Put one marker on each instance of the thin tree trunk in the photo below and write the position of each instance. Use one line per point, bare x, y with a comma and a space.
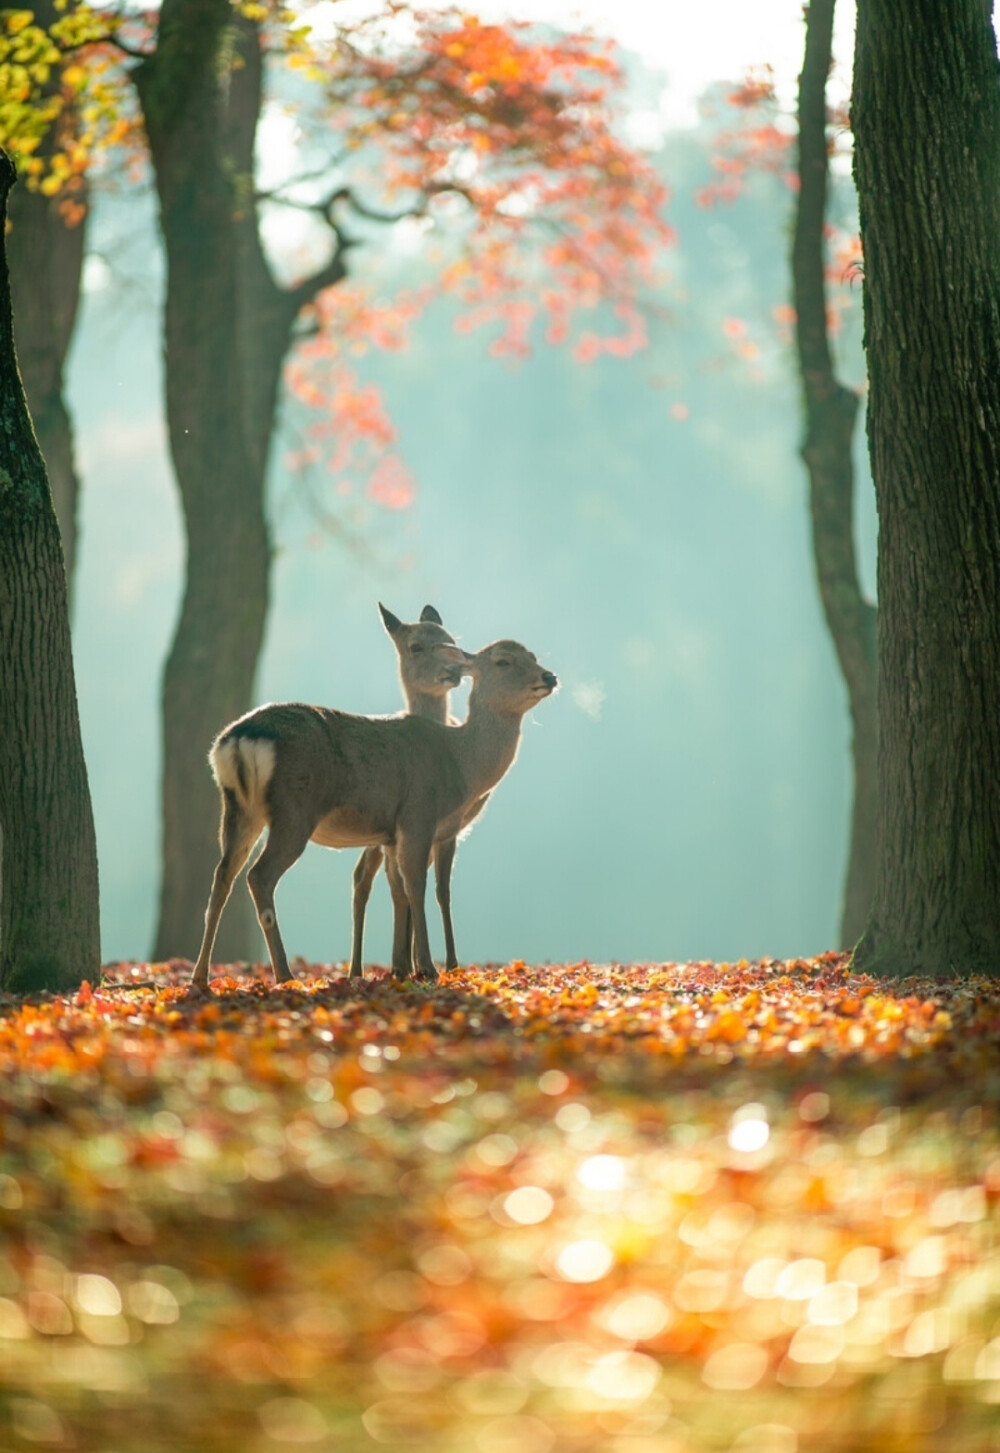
927, 163
46, 262
227, 329
45, 258
49, 931
831, 413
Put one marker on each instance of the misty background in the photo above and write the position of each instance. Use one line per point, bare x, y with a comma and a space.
641, 524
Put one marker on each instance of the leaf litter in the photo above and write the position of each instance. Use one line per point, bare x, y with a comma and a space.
655, 1208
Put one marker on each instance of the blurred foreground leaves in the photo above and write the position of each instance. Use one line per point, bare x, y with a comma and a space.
649, 1209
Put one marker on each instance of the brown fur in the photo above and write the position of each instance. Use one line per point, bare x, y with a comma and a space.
397, 782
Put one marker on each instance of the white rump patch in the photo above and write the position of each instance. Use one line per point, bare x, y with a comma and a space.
255, 756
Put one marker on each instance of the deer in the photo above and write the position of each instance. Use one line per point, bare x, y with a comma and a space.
308, 773
430, 665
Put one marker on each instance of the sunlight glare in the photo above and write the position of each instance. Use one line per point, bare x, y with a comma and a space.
602, 1173
636, 1316
623, 1376
584, 1260
750, 1132
528, 1205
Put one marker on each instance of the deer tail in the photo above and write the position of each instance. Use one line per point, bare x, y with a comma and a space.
243, 766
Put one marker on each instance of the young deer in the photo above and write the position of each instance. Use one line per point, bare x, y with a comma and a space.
307, 773
430, 664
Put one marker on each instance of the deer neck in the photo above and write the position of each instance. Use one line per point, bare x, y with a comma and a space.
431, 708
485, 745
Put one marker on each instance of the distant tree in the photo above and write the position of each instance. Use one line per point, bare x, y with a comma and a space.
45, 256
49, 934
45, 253
926, 118
830, 406
59, 102
831, 410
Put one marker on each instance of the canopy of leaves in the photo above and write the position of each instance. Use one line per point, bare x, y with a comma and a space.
500, 144
498, 141
653, 1207
62, 97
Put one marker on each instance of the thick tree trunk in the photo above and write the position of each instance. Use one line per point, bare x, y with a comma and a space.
227, 329
927, 131
49, 932
45, 258
831, 413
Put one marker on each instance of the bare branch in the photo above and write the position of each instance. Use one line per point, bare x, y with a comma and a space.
133, 52
275, 195
327, 276
373, 214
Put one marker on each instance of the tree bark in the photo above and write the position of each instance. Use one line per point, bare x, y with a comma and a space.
45, 258
49, 930
227, 329
926, 115
831, 412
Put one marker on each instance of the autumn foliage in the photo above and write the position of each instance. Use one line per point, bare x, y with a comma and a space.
497, 143
753, 137
683, 1207
756, 137
63, 101
499, 147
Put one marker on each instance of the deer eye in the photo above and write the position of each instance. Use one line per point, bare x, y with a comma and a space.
502, 663
415, 648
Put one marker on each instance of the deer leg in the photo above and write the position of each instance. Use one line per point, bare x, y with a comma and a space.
412, 853
286, 843
237, 835
444, 857
364, 876
402, 962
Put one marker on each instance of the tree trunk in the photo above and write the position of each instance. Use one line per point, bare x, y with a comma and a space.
49, 931
227, 329
831, 412
45, 258
927, 163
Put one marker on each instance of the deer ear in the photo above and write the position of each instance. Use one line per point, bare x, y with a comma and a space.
392, 623
430, 614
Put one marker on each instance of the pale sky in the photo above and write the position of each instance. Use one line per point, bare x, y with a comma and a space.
695, 43
692, 44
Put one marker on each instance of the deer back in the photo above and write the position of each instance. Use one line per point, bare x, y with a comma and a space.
354, 775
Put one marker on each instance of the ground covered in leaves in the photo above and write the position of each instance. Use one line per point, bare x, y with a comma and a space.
645, 1209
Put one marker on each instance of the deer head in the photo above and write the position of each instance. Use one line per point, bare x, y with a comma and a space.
507, 679
430, 663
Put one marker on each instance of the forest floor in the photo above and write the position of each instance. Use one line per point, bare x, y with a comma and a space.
532, 1209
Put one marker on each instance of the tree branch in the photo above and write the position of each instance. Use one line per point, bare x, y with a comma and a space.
131, 51
373, 214
327, 276
335, 270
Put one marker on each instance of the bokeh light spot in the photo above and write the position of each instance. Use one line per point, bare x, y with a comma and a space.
585, 1260
528, 1205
